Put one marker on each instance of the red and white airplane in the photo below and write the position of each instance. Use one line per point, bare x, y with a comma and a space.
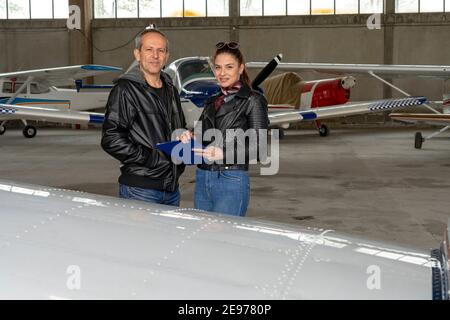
329, 98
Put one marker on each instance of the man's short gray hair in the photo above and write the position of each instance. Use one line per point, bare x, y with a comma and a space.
138, 39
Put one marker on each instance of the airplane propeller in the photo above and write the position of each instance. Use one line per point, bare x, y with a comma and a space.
266, 71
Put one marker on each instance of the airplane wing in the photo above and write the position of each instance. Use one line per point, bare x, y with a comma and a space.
434, 71
15, 112
347, 109
431, 118
60, 244
62, 75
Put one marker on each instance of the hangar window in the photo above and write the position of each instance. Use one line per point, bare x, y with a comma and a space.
34, 9
149, 8
322, 7
251, 7
41, 9
2, 9
160, 8
60, 9
370, 6
18, 9
127, 9
414, 6
347, 7
274, 8
295, 7
431, 6
308, 7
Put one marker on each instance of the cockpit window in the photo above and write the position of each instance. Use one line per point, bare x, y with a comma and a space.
36, 88
193, 70
7, 87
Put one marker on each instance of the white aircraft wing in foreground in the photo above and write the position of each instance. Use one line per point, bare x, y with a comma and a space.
59, 244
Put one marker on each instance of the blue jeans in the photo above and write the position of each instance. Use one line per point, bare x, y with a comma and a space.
222, 191
150, 195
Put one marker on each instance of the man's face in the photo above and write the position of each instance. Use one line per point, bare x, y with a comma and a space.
153, 54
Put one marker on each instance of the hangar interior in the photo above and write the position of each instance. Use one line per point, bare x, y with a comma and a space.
366, 181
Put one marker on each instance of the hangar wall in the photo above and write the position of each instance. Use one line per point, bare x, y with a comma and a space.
403, 39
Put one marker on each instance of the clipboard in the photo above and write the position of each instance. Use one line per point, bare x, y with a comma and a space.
181, 152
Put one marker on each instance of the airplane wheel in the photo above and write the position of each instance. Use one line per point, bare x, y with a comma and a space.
29, 131
2, 130
323, 131
418, 140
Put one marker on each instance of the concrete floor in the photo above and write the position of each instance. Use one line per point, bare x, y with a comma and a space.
364, 182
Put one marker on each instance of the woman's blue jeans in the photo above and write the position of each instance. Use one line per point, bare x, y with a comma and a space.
225, 191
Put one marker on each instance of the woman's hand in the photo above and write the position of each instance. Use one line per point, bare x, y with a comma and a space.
210, 153
185, 136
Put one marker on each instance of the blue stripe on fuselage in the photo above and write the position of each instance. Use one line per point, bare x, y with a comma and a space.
309, 115
96, 118
27, 100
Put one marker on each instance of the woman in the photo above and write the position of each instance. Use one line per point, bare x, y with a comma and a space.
222, 182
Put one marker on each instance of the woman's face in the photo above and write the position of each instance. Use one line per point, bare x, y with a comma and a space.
227, 69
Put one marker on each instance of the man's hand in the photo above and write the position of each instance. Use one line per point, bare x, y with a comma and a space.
185, 136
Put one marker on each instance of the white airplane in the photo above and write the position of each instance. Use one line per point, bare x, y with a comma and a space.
60, 244
37, 88
436, 119
194, 79
321, 97
326, 98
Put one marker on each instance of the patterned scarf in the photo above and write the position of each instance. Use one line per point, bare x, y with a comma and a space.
233, 89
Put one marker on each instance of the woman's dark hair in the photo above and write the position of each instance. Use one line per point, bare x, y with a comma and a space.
233, 49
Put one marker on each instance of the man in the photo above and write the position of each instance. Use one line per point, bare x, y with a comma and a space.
143, 109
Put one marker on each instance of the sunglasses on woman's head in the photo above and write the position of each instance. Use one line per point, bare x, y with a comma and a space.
230, 45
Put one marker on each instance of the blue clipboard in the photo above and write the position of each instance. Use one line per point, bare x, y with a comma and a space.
181, 152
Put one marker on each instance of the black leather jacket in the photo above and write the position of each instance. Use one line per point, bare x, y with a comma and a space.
247, 109
135, 121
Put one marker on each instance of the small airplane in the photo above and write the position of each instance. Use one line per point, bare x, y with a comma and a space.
329, 98
37, 89
194, 78
60, 244
436, 119
195, 81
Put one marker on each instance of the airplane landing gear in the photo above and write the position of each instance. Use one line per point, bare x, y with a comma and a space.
2, 129
418, 140
29, 131
324, 131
